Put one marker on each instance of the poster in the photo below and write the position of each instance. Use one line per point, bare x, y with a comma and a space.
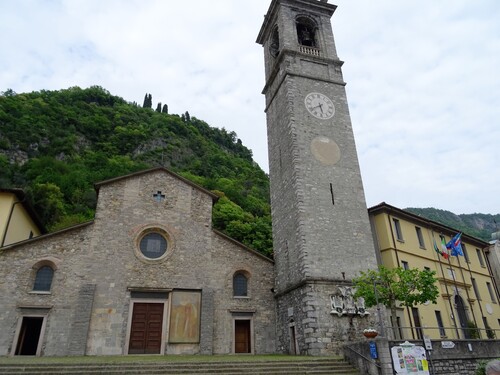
410, 359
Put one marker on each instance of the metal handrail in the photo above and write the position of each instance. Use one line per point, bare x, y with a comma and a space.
451, 332
370, 360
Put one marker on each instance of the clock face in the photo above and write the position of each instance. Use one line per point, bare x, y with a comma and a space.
319, 105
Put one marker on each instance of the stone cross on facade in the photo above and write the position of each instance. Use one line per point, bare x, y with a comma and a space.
158, 196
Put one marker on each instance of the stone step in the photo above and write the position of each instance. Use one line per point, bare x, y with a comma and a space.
322, 366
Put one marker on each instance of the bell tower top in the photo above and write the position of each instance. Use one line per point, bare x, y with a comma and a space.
297, 26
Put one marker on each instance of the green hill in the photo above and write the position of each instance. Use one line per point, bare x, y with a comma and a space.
57, 144
477, 225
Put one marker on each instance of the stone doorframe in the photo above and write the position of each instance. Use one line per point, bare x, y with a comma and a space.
243, 315
20, 324
294, 344
164, 328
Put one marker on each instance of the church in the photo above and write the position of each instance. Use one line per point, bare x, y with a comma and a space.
149, 275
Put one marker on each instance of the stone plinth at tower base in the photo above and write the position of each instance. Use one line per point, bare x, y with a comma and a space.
317, 327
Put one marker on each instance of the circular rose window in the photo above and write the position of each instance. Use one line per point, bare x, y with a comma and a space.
153, 245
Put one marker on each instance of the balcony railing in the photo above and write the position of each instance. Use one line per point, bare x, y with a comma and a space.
313, 51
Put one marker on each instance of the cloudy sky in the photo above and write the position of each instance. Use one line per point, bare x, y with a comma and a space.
423, 79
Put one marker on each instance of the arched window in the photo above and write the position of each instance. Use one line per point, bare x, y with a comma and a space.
43, 279
240, 285
306, 32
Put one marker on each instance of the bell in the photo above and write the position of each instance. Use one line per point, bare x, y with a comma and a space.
307, 39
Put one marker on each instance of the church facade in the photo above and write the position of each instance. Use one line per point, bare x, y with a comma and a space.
148, 275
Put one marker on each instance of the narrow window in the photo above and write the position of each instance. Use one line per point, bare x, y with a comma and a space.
476, 290
240, 285
489, 332
490, 290
43, 279
416, 322
466, 254
405, 264
397, 228
451, 273
274, 44
480, 257
439, 319
398, 323
420, 237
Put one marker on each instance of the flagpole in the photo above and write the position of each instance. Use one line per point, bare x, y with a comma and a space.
456, 291
445, 285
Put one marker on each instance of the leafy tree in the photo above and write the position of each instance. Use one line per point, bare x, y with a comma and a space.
158, 107
48, 201
389, 285
148, 101
187, 117
164, 109
8, 92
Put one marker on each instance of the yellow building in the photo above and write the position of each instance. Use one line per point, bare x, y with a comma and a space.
468, 296
18, 220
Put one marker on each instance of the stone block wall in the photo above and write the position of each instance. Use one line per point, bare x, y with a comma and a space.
318, 332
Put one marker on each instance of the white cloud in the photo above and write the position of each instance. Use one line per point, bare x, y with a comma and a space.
423, 81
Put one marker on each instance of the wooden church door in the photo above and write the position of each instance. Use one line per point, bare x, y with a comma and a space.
146, 328
242, 342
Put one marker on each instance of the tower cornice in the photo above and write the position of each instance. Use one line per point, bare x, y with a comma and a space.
289, 71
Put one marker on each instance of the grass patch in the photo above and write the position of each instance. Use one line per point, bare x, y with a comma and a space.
155, 358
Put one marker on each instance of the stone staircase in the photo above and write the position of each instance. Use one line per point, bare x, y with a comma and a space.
309, 365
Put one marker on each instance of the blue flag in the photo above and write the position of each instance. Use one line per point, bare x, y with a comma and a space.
455, 245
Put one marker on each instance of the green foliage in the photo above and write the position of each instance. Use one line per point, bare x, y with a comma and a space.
490, 333
410, 287
476, 225
481, 368
75, 137
472, 330
47, 199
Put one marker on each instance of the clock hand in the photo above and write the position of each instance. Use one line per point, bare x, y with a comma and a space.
319, 106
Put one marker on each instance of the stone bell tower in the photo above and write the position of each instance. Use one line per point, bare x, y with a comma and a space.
322, 237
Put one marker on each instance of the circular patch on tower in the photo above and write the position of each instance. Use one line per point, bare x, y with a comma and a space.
325, 150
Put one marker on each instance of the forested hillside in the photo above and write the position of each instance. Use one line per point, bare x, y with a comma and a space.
476, 225
57, 144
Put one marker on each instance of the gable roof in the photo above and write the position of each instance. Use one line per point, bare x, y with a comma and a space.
243, 246
21, 197
98, 185
46, 235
